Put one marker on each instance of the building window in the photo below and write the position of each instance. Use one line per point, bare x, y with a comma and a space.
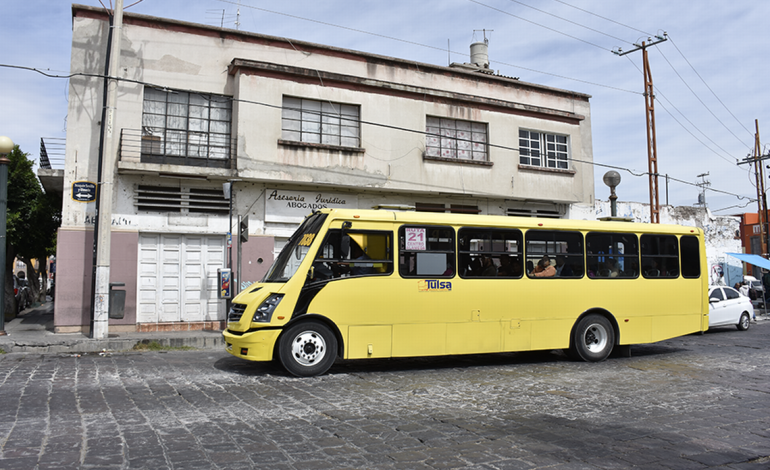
186, 128
451, 138
320, 122
543, 150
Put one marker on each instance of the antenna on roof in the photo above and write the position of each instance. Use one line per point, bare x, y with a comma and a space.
238, 16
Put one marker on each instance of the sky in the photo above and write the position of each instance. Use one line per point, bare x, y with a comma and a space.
709, 77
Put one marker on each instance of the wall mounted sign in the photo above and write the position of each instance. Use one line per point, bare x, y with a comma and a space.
283, 205
83, 191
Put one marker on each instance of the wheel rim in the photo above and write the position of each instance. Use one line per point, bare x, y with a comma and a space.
308, 348
596, 338
745, 321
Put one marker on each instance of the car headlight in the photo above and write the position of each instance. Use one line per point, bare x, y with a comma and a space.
265, 311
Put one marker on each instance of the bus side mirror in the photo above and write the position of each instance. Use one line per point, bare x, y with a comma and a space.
311, 272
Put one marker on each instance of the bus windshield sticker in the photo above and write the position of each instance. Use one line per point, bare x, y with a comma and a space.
415, 239
434, 285
307, 239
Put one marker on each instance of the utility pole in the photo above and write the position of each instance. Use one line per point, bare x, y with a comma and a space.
703, 185
649, 101
757, 160
107, 163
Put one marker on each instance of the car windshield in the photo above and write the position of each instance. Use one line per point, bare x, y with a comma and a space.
294, 251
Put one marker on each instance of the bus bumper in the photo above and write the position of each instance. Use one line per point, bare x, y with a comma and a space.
254, 346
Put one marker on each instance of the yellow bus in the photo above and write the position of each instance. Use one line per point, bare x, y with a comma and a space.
359, 284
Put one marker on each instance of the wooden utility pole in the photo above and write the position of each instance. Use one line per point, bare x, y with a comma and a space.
649, 102
761, 198
759, 176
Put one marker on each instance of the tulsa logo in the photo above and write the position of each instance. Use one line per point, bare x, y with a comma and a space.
434, 286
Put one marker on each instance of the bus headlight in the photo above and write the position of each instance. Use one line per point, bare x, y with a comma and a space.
265, 311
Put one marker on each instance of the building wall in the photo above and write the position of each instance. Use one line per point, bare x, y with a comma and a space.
257, 71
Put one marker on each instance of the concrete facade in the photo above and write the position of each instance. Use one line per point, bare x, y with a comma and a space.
279, 179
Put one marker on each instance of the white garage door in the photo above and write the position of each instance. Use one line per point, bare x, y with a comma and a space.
178, 277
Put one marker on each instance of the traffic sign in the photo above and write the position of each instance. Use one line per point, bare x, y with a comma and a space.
83, 191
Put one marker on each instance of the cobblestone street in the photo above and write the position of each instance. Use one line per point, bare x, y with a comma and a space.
699, 401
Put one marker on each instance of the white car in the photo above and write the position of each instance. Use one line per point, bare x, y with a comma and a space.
728, 307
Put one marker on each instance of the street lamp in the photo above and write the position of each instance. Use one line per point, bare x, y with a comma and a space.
612, 179
6, 147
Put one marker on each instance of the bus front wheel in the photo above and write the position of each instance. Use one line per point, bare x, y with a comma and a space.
593, 339
307, 349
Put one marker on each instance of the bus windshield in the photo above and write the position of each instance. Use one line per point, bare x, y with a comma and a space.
294, 251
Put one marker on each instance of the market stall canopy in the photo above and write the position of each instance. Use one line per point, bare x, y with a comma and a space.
756, 260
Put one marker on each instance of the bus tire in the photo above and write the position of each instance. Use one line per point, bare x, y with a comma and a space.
593, 338
307, 349
744, 322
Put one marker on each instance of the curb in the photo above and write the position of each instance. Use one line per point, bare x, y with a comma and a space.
208, 342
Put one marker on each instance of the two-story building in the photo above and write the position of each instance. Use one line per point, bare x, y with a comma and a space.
295, 126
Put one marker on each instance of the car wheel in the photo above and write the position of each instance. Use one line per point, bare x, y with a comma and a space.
307, 349
744, 322
593, 338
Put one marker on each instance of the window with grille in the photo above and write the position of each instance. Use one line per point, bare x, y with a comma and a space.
182, 200
181, 127
453, 138
543, 150
320, 122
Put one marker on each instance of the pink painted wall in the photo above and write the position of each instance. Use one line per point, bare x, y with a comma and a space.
74, 270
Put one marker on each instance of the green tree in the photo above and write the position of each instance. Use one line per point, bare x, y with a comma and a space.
33, 218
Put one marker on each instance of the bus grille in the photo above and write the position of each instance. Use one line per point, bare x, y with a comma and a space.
236, 312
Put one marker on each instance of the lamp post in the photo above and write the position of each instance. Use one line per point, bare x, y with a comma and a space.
6, 147
612, 179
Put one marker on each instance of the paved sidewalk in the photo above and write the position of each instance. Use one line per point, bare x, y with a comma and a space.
33, 332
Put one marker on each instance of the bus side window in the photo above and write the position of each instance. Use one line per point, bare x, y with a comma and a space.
612, 255
561, 250
489, 252
690, 256
426, 251
348, 253
660, 256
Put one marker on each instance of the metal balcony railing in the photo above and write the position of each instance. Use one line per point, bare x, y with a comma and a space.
52, 153
177, 147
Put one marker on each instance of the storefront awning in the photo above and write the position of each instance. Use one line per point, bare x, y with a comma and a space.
756, 260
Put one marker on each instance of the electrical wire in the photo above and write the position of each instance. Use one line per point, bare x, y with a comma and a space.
569, 21
362, 122
712, 91
564, 77
657, 46
604, 18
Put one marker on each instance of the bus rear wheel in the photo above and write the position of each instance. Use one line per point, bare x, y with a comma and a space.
307, 349
593, 339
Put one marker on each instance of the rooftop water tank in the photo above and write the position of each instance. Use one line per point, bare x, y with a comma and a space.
480, 54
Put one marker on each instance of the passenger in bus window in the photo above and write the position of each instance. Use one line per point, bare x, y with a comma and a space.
506, 267
488, 267
544, 268
562, 268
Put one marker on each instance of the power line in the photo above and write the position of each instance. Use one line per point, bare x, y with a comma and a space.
432, 47
538, 24
700, 100
569, 21
604, 18
712, 91
371, 123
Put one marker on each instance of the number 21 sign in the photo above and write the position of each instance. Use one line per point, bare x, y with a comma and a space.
415, 239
